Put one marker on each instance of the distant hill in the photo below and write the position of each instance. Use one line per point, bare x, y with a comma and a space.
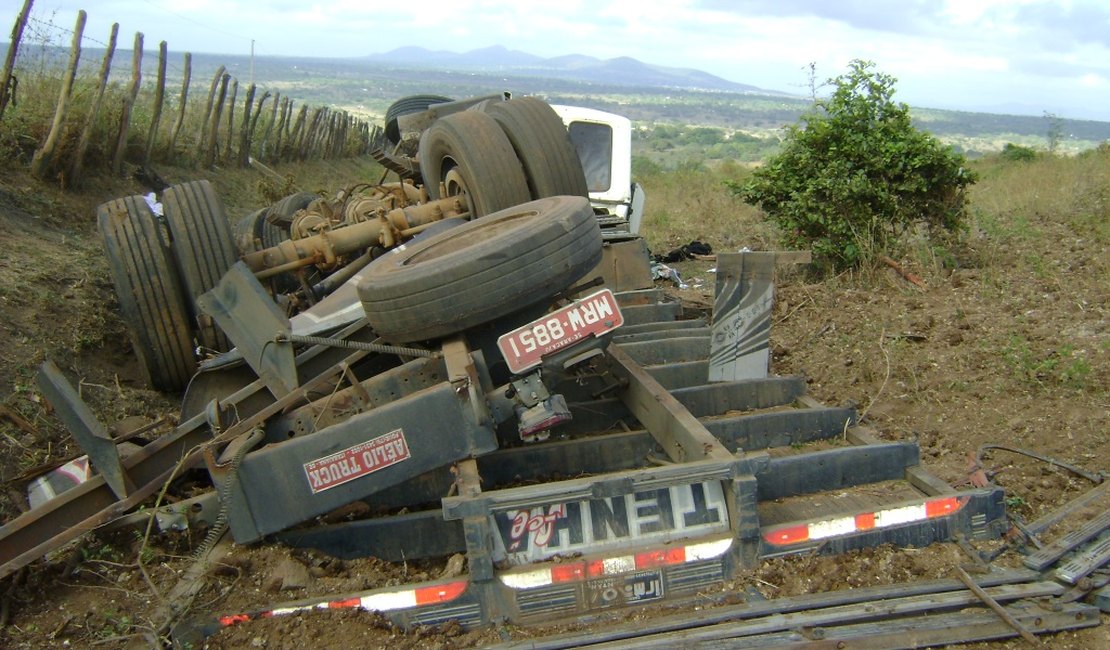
621, 71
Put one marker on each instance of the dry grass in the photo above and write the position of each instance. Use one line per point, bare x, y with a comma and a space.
689, 204
1074, 190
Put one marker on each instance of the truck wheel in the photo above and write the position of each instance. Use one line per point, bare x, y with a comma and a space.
407, 106
203, 247
482, 270
541, 143
254, 233
470, 155
151, 299
281, 213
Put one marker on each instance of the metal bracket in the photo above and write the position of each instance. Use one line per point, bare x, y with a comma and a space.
251, 319
86, 429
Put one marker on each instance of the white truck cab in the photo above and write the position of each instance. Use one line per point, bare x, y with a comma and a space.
604, 145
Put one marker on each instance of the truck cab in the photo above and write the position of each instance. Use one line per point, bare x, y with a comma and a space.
604, 145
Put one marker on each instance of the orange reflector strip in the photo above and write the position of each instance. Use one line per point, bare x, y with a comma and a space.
790, 535
440, 593
661, 557
568, 572
233, 619
865, 521
341, 604
942, 507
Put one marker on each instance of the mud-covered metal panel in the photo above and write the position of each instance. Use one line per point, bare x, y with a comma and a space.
286, 483
624, 265
657, 515
742, 316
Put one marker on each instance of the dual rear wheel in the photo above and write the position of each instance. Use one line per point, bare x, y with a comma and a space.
501, 154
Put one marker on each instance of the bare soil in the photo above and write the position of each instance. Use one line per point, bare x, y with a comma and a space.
987, 352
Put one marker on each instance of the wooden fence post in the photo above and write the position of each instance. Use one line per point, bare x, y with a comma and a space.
78, 160
263, 146
298, 127
214, 127
282, 125
202, 135
40, 162
128, 104
244, 129
229, 149
247, 141
309, 135
9, 61
184, 102
159, 97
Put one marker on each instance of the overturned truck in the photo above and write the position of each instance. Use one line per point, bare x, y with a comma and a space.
477, 353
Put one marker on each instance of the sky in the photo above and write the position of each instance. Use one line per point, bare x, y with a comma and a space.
1007, 56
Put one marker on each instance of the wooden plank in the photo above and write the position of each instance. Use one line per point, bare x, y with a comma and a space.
754, 609
1050, 554
838, 616
1081, 501
921, 631
680, 434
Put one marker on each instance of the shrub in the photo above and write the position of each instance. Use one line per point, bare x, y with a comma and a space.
1017, 152
854, 174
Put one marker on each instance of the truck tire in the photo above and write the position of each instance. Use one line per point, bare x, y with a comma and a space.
254, 233
203, 247
541, 143
470, 153
482, 270
407, 106
281, 213
151, 298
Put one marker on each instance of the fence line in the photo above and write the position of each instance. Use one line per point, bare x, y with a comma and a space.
141, 135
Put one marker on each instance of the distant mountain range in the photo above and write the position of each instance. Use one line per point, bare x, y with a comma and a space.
621, 71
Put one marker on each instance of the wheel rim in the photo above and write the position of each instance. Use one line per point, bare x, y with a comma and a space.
454, 185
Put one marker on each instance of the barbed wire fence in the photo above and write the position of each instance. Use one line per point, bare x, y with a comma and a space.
153, 110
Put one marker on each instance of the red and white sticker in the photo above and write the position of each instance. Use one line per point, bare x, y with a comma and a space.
593, 315
362, 459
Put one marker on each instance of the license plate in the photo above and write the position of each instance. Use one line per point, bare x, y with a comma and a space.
593, 315
625, 590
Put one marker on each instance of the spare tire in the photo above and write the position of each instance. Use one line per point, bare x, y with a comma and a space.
482, 270
470, 154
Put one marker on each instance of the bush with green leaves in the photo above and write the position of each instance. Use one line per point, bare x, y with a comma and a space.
1011, 151
854, 175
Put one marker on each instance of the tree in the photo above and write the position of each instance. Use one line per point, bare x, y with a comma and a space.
1055, 131
854, 174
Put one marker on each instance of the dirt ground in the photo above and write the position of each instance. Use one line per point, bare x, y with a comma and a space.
985, 352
